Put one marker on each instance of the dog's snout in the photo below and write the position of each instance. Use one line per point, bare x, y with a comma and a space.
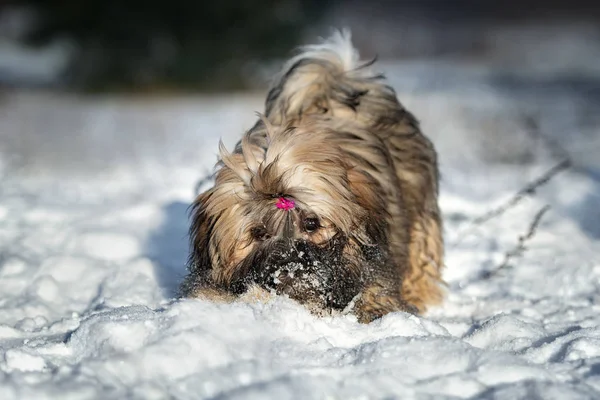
296, 252
285, 282
302, 248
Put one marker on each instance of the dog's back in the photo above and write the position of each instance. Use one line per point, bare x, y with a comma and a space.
330, 80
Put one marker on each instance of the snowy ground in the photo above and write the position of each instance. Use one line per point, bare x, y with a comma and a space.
93, 220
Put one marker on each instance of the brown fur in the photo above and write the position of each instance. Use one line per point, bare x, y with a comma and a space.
335, 139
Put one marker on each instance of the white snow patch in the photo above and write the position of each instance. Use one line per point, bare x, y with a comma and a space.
21, 361
107, 246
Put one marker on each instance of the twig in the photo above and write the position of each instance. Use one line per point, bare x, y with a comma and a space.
520, 248
533, 129
556, 150
528, 190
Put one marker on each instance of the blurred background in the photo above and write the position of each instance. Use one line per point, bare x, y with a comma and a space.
185, 45
84, 76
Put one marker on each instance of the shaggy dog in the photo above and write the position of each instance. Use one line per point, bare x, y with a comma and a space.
330, 199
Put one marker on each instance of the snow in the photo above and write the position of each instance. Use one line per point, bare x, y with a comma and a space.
93, 220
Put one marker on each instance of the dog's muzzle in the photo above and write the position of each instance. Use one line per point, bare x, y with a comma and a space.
303, 271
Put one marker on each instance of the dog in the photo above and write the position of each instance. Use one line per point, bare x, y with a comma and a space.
331, 198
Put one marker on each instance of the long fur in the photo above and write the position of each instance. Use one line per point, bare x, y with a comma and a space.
335, 139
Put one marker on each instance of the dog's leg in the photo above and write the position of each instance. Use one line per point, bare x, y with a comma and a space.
378, 300
416, 167
210, 294
421, 285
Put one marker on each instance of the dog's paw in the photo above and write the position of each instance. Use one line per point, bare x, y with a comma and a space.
375, 304
211, 294
256, 294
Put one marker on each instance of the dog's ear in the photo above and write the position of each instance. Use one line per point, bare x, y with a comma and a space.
199, 260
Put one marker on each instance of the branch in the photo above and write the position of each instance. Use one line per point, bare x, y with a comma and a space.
529, 190
533, 129
520, 248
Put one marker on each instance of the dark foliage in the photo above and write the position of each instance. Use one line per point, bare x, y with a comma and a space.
183, 44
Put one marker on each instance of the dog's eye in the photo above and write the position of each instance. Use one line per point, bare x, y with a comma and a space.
259, 233
311, 224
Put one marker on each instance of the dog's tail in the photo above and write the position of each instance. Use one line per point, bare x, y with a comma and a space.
328, 78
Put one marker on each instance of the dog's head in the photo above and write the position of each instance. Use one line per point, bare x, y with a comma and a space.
290, 212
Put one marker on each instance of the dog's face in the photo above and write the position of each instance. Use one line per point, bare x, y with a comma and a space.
290, 213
